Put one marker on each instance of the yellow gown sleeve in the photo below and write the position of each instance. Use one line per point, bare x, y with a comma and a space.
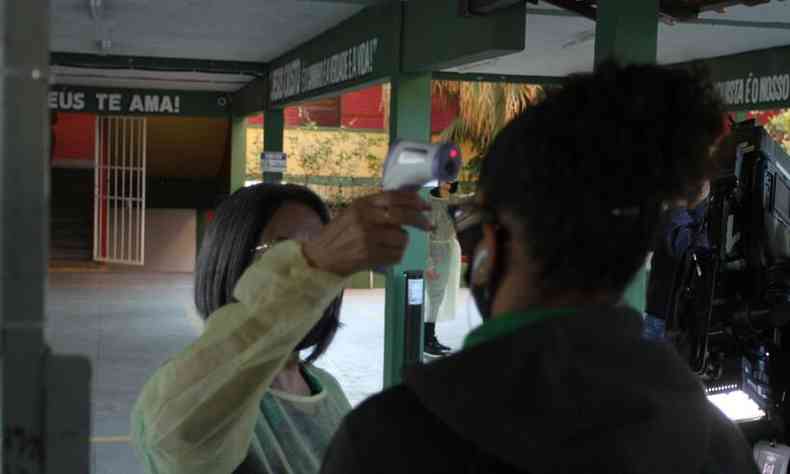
197, 413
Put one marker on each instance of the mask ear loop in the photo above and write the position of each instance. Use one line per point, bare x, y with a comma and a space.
498, 271
501, 236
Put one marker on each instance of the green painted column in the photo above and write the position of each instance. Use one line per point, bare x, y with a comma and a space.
273, 137
627, 31
238, 152
410, 119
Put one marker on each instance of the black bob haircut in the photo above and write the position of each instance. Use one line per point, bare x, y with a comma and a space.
584, 174
229, 244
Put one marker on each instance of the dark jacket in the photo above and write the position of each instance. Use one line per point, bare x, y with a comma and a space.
679, 229
570, 394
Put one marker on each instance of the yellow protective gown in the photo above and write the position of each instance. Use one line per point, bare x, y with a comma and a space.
211, 405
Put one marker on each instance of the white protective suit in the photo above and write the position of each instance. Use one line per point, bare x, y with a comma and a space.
444, 258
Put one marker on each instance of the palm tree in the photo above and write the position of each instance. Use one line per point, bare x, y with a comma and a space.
485, 107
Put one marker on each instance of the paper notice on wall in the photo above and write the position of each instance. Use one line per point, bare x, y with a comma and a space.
274, 162
416, 292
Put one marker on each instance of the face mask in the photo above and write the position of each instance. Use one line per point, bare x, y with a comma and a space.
469, 230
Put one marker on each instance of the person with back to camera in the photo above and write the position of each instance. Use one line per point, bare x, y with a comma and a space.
558, 379
269, 279
681, 228
443, 272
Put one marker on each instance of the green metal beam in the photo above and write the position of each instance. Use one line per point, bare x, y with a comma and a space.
553, 12
273, 137
410, 119
771, 25
148, 63
273, 130
437, 37
583, 9
485, 7
251, 98
627, 31
24, 234
505, 78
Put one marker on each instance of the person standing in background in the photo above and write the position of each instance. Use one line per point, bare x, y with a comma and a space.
681, 228
443, 272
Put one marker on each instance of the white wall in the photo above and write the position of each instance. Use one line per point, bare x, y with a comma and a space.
170, 240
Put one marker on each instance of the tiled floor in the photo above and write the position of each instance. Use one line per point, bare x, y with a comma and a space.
128, 324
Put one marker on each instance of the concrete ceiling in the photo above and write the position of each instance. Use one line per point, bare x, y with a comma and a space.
230, 30
239, 30
559, 43
137, 79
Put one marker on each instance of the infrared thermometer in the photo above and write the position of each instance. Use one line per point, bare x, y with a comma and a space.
412, 165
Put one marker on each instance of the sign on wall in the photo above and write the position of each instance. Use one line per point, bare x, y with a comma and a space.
137, 102
296, 77
757, 80
359, 51
769, 91
274, 162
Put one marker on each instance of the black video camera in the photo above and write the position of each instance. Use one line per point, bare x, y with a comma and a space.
730, 308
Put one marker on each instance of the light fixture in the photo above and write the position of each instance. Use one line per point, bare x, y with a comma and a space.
736, 405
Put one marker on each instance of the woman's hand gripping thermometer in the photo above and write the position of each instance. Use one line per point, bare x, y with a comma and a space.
411, 165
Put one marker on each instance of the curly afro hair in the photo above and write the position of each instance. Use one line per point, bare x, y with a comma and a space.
585, 172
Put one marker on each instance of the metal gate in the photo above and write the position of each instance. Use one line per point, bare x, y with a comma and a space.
119, 204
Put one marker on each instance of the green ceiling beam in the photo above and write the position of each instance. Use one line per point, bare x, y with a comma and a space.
390, 38
627, 31
437, 37
503, 78
147, 63
251, 98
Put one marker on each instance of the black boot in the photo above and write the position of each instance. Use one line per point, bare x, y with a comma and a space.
432, 345
443, 347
